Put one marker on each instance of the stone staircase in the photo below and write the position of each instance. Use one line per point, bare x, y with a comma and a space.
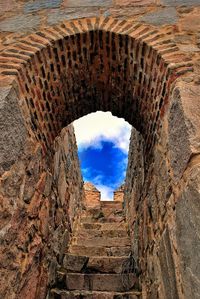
97, 262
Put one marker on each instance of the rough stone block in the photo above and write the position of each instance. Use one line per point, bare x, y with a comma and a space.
12, 128
180, 2
63, 294
74, 263
135, 2
71, 13
100, 282
34, 6
97, 251
184, 124
161, 17
20, 23
167, 267
103, 241
8, 5
187, 233
87, 3
107, 264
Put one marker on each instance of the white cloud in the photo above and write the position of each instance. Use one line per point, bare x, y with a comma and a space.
106, 192
100, 126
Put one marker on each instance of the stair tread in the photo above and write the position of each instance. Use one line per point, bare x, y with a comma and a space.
94, 233
101, 241
103, 225
102, 264
111, 219
101, 250
100, 282
97, 275
97, 256
59, 291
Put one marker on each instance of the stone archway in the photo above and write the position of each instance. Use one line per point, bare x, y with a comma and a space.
82, 66
59, 74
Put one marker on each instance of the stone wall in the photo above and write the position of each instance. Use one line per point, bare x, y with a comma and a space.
118, 194
162, 204
92, 196
39, 203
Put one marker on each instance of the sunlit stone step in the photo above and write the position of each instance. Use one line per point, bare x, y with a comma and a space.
64, 294
101, 241
101, 264
95, 251
100, 282
102, 219
103, 226
93, 233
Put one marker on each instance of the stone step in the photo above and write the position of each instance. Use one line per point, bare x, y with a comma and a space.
93, 233
95, 251
63, 294
103, 226
102, 264
109, 203
105, 211
101, 241
100, 282
110, 219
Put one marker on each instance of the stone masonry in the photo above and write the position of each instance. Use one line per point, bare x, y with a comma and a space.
39, 203
60, 60
97, 262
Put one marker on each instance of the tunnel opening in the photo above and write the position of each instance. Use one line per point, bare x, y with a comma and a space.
103, 143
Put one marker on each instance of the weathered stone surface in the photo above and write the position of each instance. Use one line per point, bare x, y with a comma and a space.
97, 294
106, 264
74, 263
179, 145
108, 233
104, 226
7, 6
187, 233
30, 6
100, 282
87, 3
135, 2
12, 128
184, 122
52, 272
189, 48
124, 12
34, 224
190, 22
180, 2
102, 264
71, 13
48, 184
103, 241
161, 17
25, 23
100, 251
119, 194
92, 196
167, 267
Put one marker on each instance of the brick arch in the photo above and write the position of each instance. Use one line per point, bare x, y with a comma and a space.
81, 66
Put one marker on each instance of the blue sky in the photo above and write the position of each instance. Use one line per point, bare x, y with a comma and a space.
103, 142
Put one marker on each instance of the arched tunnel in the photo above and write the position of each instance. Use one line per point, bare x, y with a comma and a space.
51, 78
